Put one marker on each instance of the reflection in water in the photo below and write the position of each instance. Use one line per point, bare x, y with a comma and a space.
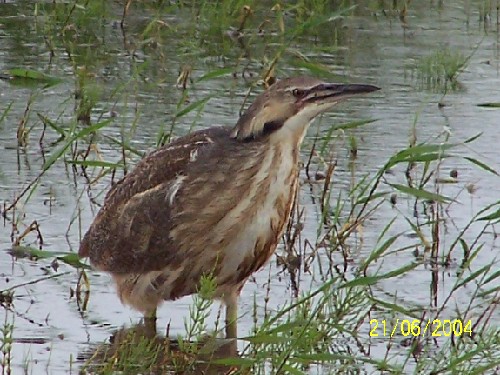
140, 348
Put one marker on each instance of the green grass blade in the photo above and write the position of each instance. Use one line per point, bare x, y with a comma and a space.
81, 134
95, 163
481, 165
215, 74
370, 280
52, 125
28, 76
422, 194
493, 216
191, 107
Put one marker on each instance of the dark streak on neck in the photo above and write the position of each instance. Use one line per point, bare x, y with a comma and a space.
272, 126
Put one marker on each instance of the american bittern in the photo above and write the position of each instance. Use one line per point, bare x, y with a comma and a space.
214, 202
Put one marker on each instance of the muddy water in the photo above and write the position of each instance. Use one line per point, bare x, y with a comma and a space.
375, 47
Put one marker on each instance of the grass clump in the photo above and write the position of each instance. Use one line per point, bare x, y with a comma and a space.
439, 71
425, 246
141, 350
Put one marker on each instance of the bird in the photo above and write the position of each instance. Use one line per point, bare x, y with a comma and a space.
213, 203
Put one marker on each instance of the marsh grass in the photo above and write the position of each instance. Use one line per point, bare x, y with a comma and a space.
6, 342
345, 219
325, 326
440, 70
140, 349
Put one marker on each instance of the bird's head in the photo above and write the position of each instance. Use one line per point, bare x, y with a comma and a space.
289, 105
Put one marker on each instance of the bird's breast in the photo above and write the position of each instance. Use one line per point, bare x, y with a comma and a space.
261, 216
230, 220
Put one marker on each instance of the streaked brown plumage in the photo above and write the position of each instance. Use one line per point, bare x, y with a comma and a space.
213, 202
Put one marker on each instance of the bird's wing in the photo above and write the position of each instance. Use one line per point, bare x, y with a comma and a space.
136, 216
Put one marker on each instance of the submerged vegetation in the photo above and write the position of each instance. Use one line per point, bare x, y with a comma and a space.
116, 79
440, 70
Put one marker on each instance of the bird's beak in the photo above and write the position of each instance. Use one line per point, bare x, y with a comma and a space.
333, 92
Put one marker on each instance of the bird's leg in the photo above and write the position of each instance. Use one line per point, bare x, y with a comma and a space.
151, 315
150, 322
231, 301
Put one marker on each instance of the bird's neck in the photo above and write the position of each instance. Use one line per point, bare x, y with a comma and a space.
289, 138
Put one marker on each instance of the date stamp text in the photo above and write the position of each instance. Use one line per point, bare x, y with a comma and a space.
416, 327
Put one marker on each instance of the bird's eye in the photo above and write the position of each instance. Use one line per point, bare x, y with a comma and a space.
298, 93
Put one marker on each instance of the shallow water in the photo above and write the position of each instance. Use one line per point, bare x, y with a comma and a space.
373, 48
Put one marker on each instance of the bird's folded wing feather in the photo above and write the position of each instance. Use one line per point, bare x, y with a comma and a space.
131, 231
